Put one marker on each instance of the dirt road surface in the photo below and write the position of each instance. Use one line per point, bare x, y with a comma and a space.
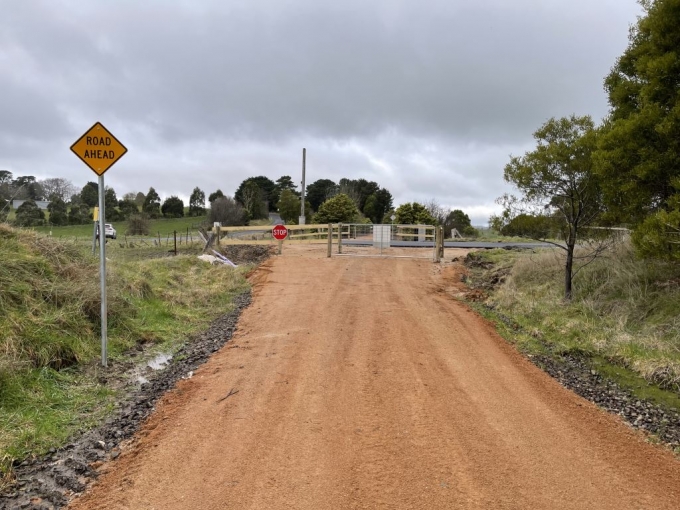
361, 383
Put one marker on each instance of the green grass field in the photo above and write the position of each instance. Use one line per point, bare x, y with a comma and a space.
163, 226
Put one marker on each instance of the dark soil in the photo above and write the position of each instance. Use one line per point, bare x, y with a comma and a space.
48, 482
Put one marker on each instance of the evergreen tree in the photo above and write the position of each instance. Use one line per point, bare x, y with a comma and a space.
173, 207
197, 202
640, 142
152, 204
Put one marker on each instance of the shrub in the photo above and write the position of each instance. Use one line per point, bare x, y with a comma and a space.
227, 211
138, 225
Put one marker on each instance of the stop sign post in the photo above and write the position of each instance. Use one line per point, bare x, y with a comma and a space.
280, 232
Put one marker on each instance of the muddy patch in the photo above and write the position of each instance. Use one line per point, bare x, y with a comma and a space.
48, 482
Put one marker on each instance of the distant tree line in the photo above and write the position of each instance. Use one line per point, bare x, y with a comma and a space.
348, 201
69, 206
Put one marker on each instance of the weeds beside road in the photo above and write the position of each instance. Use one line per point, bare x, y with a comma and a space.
623, 315
49, 327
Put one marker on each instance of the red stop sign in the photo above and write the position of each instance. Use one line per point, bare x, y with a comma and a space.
280, 232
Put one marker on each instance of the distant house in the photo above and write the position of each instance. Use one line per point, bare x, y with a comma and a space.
42, 204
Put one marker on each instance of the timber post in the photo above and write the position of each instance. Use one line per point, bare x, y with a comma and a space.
330, 240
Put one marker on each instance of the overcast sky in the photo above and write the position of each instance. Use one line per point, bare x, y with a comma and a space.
428, 97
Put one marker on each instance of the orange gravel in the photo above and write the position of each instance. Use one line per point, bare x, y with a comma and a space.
361, 383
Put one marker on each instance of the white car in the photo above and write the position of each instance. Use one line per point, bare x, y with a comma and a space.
109, 231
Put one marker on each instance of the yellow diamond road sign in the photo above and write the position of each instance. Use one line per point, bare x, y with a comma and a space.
98, 149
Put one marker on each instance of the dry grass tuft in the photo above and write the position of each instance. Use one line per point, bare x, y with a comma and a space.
623, 308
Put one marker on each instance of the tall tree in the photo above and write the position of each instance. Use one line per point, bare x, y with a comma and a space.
173, 207
340, 208
128, 207
414, 213
285, 182
197, 202
215, 195
58, 211
140, 198
267, 187
371, 209
25, 187
152, 204
461, 222
252, 199
640, 142
59, 187
111, 205
320, 191
79, 214
436, 211
358, 190
560, 191
5, 176
89, 195
289, 206
227, 211
5, 184
29, 214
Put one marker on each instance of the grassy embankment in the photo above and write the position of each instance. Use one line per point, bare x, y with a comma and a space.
623, 317
49, 328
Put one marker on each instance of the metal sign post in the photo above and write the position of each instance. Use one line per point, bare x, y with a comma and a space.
99, 150
302, 220
102, 271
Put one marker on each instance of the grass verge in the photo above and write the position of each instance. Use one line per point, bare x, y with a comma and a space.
49, 329
623, 317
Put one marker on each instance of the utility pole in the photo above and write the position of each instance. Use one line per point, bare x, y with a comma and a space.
302, 202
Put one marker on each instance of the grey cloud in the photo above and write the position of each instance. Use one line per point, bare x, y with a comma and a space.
258, 69
428, 98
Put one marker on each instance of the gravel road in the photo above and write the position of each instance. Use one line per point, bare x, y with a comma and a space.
360, 383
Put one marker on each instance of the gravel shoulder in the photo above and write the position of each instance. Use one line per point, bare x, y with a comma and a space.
361, 383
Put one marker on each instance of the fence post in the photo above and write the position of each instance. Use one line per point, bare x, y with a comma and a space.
339, 237
436, 245
174, 233
330, 240
441, 242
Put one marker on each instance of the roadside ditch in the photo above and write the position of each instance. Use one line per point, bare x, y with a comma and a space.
47, 482
601, 381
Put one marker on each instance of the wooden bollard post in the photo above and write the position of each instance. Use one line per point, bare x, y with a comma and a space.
339, 237
330, 240
441, 243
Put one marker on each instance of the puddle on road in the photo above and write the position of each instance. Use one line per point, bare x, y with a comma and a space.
159, 362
